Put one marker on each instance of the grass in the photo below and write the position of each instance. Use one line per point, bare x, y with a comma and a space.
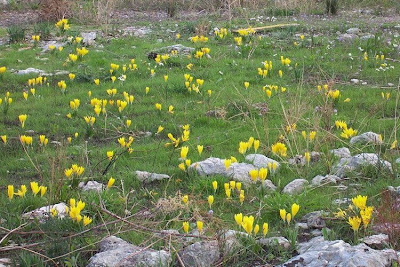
317, 60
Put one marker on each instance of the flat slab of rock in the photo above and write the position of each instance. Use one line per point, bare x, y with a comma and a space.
46, 44
43, 213
89, 38
318, 252
30, 71
116, 252
366, 138
230, 241
295, 187
376, 241
320, 179
210, 166
148, 177
181, 49
353, 31
200, 254
91, 186
351, 164
275, 241
342, 152
314, 219
261, 161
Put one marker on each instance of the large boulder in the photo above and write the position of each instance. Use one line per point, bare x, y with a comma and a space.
116, 252
366, 138
319, 252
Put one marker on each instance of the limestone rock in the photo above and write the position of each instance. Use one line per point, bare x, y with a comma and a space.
30, 71
319, 179
46, 44
43, 213
261, 161
89, 38
351, 164
376, 241
91, 186
210, 166
318, 252
365, 138
240, 172
295, 187
269, 186
275, 241
230, 241
116, 252
353, 31
342, 152
147, 177
301, 160
136, 31
314, 219
200, 254
181, 49
346, 37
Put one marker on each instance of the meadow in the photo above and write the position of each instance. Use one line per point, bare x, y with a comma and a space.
122, 104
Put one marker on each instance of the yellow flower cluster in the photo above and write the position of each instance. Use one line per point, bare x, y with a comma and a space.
195, 86
63, 25
199, 39
74, 211
245, 146
246, 32
279, 149
247, 223
75, 170
221, 33
23, 189
288, 216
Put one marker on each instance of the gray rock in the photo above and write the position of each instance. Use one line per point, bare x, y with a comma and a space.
30, 71
346, 37
398, 161
261, 161
302, 226
148, 177
267, 184
367, 36
116, 252
5, 262
275, 241
351, 164
91, 186
89, 38
295, 187
240, 172
342, 201
365, 138
316, 232
318, 252
46, 44
136, 31
3, 2
355, 81
394, 189
229, 239
43, 213
353, 31
181, 49
210, 166
342, 152
200, 254
314, 219
301, 160
319, 179
376, 241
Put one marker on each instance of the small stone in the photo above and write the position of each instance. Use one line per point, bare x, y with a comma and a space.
43, 213
364, 83
30, 71
45, 45
367, 36
230, 241
148, 177
346, 37
314, 219
341, 201
353, 31
376, 241
181, 49
91, 186
116, 252
302, 226
261, 161
342, 152
365, 138
390, 84
295, 187
89, 38
355, 81
394, 189
279, 241
267, 184
200, 254
319, 179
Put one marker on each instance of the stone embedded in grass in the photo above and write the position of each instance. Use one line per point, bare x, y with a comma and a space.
261, 161
30, 71
342, 152
43, 213
319, 252
320, 179
230, 240
181, 49
346, 165
353, 31
148, 177
88, 38
268, 185
136, 31
365, 138
46, 44
91, 186
116, 252
301, 160
276, 241
376, 241
200, 254
295, 187
346, 37
314, 219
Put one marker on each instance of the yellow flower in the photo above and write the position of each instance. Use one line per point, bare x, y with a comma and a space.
128, 123
280, 73
96, 81
68, 172
280, 149
265, 229
288, 217
340, 214
295, 209
71, 76
238, 186
263, 173
241, 198
228, 193
160, 129
256, 145
312, 135
347, 133
171, 109
215, 185
199, 226
158, 106
354, 222
43, 190
210, 200
200, 149
185, 226
22, 119
86, 220
246, 85
366, 215
10, 191
3, 138
21, 192
110, 183
256, 229
2, 69
110, 155
307, 157
247, 224
73, 57
392, 146
181, 166
165, 78
360, 201
282, 213
239, 219
35, 188
253, 174
227, 163
184, 152
346, 100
